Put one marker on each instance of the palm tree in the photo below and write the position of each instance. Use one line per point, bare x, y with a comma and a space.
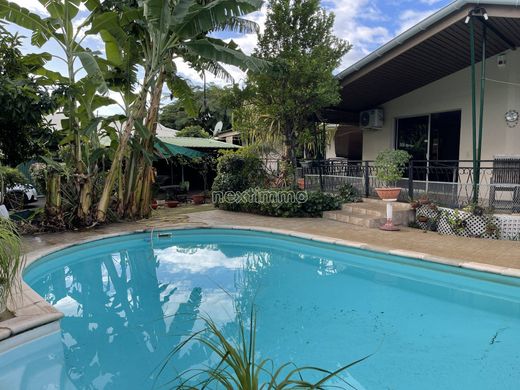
59, 27
171, 30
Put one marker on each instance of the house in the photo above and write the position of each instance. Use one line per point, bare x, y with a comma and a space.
229, 136
415, 93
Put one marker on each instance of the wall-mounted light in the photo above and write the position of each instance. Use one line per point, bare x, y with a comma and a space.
479, 12
512, 118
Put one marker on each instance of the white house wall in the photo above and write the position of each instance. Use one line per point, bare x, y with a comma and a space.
454, 93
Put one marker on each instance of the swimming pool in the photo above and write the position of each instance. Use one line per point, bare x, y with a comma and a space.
128, 301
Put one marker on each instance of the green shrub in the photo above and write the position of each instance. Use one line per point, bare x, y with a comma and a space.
38, 172
194, 131
12, 176
238, 171
284, 203
348, 193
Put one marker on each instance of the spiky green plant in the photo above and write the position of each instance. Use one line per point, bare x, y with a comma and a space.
239, 367
11, 260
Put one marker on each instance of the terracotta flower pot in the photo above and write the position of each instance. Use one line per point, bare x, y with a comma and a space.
388, 193
172, 203
198, 199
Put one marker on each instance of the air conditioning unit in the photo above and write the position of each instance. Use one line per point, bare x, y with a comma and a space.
372, 119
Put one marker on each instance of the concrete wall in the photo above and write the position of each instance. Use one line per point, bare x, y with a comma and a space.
454, 93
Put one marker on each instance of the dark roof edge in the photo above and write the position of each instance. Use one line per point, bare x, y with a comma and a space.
418, 28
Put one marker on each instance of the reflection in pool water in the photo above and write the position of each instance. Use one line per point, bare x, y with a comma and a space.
129, 301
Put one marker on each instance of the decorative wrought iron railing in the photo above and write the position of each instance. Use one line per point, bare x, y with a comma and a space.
449, 183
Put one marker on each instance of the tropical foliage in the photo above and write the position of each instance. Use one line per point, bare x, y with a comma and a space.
142, 41
238, 171
11, 260
194, 131
24, 133
285, 203
240, 368
208, 107
289, 98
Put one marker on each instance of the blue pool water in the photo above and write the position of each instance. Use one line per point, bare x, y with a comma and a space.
129, 301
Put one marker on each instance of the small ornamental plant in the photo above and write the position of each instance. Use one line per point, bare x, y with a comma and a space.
11, 261
390, 166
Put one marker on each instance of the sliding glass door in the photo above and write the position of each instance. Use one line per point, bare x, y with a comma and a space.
433, 141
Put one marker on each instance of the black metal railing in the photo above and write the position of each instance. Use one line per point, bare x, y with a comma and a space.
450, 183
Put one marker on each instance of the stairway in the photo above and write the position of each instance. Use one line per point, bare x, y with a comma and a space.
371, 213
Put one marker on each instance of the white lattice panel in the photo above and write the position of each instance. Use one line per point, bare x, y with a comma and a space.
505, 227
509, 226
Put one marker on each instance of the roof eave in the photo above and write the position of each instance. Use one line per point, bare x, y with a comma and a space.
418, 28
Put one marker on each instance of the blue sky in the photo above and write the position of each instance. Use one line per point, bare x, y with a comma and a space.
367, 24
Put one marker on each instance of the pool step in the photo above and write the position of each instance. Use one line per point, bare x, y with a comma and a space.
370, 213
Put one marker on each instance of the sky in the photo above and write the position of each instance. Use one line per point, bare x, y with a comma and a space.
366, 24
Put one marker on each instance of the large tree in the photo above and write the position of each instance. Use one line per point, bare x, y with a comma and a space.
24, 133
169, 30
299, 42
145, 36
209, 108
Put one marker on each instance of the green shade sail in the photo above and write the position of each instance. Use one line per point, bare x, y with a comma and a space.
168, 150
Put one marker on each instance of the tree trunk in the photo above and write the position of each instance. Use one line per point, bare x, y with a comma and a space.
137, 112
53, 211
146, 171
290, 156
85, 200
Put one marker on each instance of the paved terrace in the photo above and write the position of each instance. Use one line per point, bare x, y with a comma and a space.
410, 242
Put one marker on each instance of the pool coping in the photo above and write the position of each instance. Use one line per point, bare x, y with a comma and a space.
32, 312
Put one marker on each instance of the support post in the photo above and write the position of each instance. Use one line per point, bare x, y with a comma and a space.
366, 176
410, 180
320, 168
389, 225
482, 98
473, 107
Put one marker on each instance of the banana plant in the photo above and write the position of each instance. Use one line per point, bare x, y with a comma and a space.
61, 26
169, 30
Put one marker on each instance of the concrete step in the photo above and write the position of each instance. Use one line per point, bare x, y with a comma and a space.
371, 214
354, 218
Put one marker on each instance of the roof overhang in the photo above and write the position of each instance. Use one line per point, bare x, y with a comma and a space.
435, 48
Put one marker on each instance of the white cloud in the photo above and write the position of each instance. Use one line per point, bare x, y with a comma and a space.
410, 18
361, 22
349, 25
177, 260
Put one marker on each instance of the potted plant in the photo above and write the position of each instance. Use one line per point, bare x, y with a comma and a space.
198, 198
390, 165
171, 203
11, 261
422, 218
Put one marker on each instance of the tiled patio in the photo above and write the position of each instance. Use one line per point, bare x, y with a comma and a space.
495, 253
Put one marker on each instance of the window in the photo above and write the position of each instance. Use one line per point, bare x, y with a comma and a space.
433, 141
